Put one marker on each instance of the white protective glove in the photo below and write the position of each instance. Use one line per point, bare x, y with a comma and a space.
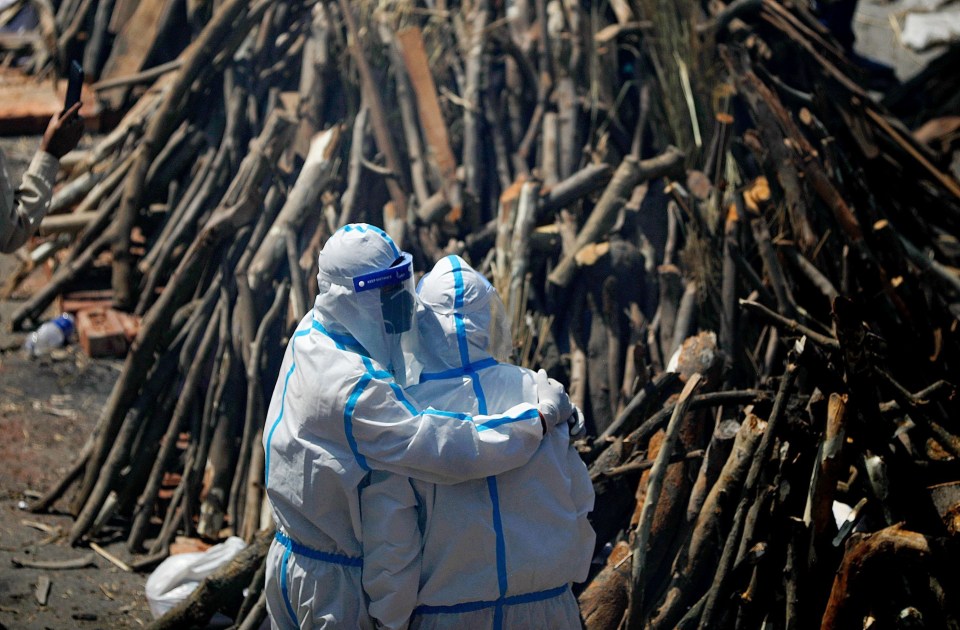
577, 425
554, 405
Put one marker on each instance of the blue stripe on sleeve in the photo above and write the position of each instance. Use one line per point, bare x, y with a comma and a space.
492, 424
348, 419
342, 342
476, 366
447, 414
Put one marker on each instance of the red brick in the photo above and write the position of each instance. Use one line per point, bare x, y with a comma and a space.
101, 332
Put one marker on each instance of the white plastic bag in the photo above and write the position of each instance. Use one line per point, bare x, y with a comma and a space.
177, 576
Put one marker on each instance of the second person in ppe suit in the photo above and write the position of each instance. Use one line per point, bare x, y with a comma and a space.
338, 412
486, 554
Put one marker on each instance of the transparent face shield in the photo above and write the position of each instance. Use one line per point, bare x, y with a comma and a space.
500, 340
394, 291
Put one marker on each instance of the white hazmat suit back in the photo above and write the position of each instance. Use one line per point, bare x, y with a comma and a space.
498, 552
336, 414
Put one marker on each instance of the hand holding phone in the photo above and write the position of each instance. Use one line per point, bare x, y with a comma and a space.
74, 85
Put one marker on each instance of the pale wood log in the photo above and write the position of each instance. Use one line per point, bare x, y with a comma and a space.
303, 198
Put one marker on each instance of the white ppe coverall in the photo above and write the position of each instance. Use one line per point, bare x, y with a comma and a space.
337, 413
498, 552
21, 209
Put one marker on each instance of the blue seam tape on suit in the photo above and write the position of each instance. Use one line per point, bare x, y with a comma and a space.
284, 590
315, 554
350, 227
475, 366
283, 401
513, 600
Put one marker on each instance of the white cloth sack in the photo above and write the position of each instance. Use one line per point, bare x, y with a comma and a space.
923, 30
178, 576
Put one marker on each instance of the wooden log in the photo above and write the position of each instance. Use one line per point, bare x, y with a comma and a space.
640, 570
578, 185
604, 601
628, 175
144, 76
408, 114
66, 223
695, 564
519, 248
722, 441
721, 580
729, 340
185, 403
671, 292
303, 199
230, 18
121, 450
93, 52
818, 513
396, 185
134, 43
254, 411
863, 578
474, 36
236, 209
431, 118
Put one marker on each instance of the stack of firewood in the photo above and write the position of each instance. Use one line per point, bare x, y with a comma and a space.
761, 324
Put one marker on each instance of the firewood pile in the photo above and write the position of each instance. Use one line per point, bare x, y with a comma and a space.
741, 263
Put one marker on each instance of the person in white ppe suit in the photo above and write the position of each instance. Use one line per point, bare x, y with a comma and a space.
488, 554
338, 412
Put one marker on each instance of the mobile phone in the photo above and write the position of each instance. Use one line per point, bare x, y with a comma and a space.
74, 84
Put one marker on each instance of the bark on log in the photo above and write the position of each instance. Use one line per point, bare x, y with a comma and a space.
629, 174
303, 199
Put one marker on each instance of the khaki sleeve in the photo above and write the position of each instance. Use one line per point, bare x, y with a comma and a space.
22, 211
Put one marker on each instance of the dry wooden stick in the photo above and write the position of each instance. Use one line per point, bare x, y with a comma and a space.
654, 486
648, 463
718, 588
303, 199
695, 564
378, 117
628, 175
54, 565
428, 108
254, 407
162, 124
791, 325
828, 468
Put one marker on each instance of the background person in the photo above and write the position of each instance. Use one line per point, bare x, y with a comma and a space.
22, 209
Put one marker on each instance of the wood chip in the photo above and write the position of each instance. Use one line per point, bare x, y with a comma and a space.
42, 590
120, 564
